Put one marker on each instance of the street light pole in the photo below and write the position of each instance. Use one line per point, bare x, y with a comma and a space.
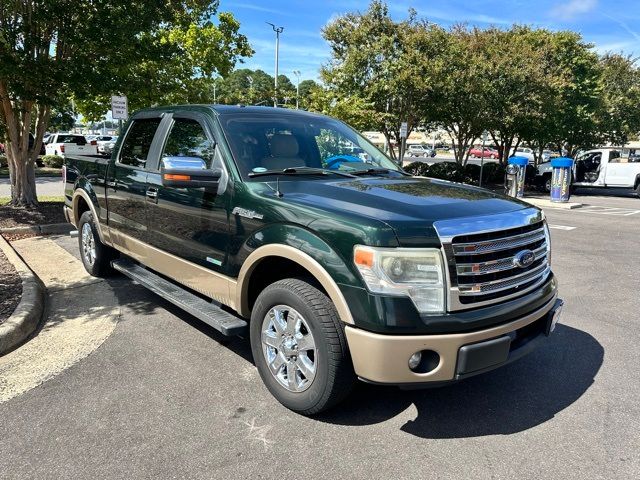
485, 135
297, 74
278, 31
250, 80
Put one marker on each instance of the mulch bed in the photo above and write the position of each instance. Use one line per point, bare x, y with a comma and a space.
47, 212
10, 288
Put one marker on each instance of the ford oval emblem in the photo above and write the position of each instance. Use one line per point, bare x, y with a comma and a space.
524, 258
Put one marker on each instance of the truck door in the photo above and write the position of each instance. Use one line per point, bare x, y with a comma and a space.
588, 169
127, 181
190, 223
619, 173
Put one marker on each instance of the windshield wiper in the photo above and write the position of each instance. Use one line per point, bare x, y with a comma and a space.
371, 171
299, 171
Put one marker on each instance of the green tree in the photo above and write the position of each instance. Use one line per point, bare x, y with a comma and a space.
246, 86
286, 91
62, 119
461, 101
511, 62
154, 51
576, 70
381, 63
306, 87
352, 110
620, 111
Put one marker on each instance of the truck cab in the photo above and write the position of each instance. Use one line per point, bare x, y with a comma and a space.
606, 168
292, 229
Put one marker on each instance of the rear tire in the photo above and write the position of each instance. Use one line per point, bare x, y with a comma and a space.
96, 256
295, 330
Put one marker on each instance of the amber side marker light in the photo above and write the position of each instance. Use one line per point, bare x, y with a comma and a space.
170, 176
363, 257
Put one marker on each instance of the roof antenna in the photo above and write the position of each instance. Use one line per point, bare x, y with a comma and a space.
277, 189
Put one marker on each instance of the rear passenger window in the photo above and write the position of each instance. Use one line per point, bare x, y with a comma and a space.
186, 143
136, 145
614, 156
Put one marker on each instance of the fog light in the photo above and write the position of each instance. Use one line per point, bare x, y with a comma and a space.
414, 361
556, 317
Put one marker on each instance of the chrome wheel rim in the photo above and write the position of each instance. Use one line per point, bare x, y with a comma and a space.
88, 244
289, 348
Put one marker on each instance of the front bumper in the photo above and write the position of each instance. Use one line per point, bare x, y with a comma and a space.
68, 215
382, 358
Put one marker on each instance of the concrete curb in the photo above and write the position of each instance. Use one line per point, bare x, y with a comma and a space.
52, 228
545, 203
27, 315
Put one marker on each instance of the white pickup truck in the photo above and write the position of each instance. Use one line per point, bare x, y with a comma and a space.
603, 168
70, 144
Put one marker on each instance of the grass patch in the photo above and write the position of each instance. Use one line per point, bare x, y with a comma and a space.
41, 199
40, 172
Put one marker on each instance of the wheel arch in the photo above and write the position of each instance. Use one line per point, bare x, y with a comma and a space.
82, 202
304, 261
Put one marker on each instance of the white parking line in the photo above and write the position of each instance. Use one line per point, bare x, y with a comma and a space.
562, 227
615, 211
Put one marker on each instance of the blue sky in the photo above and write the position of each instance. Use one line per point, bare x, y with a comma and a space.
612, 25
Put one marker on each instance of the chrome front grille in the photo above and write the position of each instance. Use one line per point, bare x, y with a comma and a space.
482, 257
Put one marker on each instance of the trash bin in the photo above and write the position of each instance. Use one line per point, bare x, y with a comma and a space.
561, 179
514, 177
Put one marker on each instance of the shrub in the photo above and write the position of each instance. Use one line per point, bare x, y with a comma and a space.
447, 171
417, 169
471, 173
493, 173
53, 161
3, 161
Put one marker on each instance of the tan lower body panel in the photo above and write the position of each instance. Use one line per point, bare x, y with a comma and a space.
207, 282
384, 358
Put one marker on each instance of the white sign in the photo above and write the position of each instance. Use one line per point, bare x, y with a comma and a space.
485, 136
403, 130
119, 107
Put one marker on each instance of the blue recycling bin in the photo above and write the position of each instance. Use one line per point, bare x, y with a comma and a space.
561, 179
516, 172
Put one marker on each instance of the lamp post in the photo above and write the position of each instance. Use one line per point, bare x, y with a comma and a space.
297, 74
278, 31
485, 135
250, 80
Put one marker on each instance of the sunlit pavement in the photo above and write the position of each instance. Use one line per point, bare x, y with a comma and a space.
165, 396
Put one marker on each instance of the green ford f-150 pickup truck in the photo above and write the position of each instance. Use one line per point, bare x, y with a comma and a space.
293, 228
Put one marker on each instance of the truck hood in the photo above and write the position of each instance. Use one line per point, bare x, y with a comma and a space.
408, 205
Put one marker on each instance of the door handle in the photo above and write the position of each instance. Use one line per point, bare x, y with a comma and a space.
152, 194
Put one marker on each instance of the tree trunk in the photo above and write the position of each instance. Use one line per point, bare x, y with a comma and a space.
17, 115
23, 180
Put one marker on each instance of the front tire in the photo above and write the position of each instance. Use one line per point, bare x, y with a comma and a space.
299, 347
96, 256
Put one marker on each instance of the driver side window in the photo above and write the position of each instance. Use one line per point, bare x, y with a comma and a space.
187, 143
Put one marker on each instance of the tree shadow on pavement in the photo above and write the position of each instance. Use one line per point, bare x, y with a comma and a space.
511, 399
141, 301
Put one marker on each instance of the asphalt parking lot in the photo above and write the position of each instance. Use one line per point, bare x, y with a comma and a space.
165, 396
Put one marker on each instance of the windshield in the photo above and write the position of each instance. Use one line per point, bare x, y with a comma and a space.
265, 142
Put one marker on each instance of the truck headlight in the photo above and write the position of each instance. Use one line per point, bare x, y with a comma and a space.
416, 273
547, 234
